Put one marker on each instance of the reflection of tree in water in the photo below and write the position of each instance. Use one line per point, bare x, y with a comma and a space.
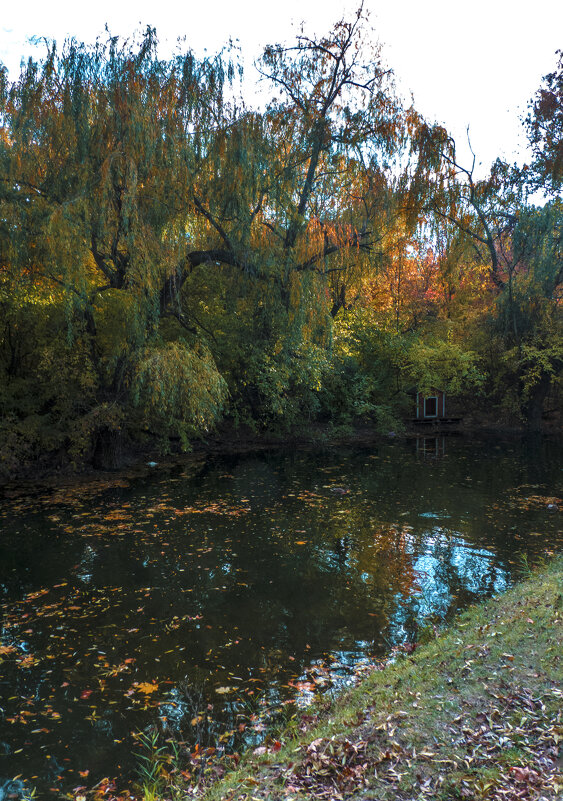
450, 575
341, 549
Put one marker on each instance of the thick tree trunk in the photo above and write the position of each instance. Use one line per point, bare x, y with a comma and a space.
534, 407
339, 302
108, 449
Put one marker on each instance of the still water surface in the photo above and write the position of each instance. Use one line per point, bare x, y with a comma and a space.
204, 598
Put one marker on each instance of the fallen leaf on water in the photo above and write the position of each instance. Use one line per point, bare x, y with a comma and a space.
146, 687
27, 661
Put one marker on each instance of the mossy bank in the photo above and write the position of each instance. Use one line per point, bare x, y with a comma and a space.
476, 713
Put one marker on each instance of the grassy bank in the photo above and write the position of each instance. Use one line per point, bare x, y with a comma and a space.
474, 714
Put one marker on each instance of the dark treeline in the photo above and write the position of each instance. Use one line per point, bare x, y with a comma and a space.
171, 258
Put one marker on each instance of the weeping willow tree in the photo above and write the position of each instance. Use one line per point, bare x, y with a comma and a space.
182, 246
528, 316
101, 152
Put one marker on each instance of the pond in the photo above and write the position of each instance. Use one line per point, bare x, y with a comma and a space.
204, 598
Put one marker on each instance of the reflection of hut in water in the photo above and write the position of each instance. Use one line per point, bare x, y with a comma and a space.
431, 408
431, 447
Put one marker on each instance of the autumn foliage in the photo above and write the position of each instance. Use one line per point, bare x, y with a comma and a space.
171, 257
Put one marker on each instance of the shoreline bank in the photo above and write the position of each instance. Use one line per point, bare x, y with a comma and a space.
137, 462
476, 713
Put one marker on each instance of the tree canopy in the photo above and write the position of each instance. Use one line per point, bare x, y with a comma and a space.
171, 257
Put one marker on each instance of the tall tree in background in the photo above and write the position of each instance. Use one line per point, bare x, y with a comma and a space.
545, 131
521, 246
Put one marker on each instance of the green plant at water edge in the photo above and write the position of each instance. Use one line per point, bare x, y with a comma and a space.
167, 768
152, 759
524, 567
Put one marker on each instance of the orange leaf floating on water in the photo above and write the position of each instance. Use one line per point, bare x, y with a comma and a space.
33, 595
86, 694
301, 542
146, 687
27, 661
6, 649
304, 686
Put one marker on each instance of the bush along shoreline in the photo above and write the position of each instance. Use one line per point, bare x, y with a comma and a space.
476, 713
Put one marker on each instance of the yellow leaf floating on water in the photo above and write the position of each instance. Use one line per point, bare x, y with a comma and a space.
146, 687
223, 690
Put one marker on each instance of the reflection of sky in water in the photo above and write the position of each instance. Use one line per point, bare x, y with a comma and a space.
434, 515
341, 670
445, 565
86, 567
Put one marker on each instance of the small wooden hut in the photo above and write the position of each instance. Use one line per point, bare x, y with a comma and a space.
431, 406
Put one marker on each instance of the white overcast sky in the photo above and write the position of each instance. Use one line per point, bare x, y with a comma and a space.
467, 63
